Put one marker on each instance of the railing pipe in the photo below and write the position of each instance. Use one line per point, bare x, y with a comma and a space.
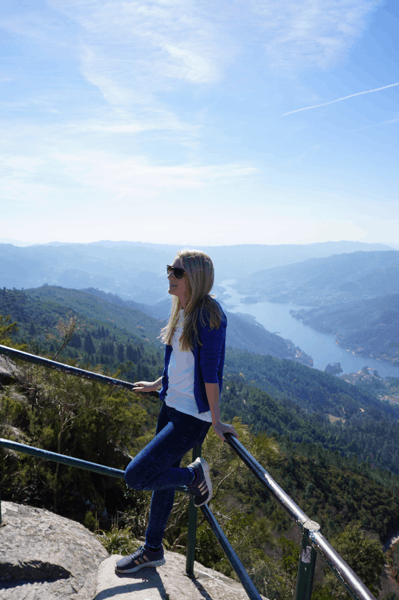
283, 498
52, 364
192, 527
61, 458
340, 568
354, 586
311, 533
243, 576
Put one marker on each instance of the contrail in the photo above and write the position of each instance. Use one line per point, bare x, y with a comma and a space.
376, 125
339, 99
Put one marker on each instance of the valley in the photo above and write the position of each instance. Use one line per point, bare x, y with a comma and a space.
330, 440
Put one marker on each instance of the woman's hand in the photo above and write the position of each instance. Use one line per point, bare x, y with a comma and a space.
146, 386
221, 428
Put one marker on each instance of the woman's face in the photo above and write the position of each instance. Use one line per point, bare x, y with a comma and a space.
179, 287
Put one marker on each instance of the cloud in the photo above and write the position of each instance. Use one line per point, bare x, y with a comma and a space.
310, 33
132, 50
138, 176
340, 100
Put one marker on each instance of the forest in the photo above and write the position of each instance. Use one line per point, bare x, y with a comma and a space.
346, 483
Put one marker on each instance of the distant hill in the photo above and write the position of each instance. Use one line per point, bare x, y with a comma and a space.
40, 309
369, 327
129, 319
304, 399
336, 279
243, 331
136, 271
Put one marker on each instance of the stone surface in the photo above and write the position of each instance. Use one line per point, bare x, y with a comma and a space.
46, 557
168, 582
8, 369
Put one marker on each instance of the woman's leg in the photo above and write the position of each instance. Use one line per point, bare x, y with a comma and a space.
153, 468
156, 467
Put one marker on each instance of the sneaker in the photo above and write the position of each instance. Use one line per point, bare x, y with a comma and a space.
201, 489
139, 559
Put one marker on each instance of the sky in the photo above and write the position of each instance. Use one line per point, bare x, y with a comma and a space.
199, 122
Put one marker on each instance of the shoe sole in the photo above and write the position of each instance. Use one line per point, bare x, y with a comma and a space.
205, 468
152, 563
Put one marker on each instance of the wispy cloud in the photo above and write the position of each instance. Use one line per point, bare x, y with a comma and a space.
132, 50
142, 178
339, 99
310, 33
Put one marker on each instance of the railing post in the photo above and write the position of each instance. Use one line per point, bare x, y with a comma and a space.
192, 527
307, 563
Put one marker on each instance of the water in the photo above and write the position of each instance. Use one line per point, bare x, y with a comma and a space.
320, 346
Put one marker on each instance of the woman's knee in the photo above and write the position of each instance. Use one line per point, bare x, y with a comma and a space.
135, 476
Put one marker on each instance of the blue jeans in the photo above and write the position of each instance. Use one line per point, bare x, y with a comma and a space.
157, 466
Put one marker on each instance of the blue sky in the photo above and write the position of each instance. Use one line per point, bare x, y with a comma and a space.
183, 121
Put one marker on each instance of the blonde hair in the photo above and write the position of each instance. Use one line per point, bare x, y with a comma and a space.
199, 271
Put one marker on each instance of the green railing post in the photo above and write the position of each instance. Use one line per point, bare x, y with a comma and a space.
192, 527
307, 563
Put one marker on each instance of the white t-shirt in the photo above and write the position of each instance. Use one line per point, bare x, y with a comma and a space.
180, 394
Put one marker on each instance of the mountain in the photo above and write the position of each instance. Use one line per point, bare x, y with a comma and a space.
369, 327
243, 331
130, 320
136, 271
335, 279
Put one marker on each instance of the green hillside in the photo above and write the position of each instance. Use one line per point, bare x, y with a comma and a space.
105, 425
135, 351
369, 327
131, 320
284, 398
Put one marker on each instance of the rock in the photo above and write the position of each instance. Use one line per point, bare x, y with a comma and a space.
333, 368
46, 557
168, 582
8, 370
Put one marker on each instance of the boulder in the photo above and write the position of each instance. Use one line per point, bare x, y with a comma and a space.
168, 582
46, 557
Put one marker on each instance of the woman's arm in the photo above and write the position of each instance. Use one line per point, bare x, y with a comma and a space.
212, 393
147, 386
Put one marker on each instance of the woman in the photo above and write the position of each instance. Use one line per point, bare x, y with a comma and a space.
191, 383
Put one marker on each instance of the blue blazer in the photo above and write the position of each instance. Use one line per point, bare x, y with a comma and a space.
208, 362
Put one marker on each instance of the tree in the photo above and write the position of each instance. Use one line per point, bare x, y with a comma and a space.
121, 353
76, 341
88, 344
67, 331
6, 329
364, 555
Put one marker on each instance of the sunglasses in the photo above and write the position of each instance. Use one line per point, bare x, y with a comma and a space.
177, 272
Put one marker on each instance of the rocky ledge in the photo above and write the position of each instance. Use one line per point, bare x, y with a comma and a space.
45, 557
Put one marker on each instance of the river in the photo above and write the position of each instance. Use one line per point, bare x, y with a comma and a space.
320, 346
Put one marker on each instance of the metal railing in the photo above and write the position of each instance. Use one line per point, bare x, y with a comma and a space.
313, 542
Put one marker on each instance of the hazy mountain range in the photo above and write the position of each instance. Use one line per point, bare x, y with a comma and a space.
133, 275
136, 271
333, 280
